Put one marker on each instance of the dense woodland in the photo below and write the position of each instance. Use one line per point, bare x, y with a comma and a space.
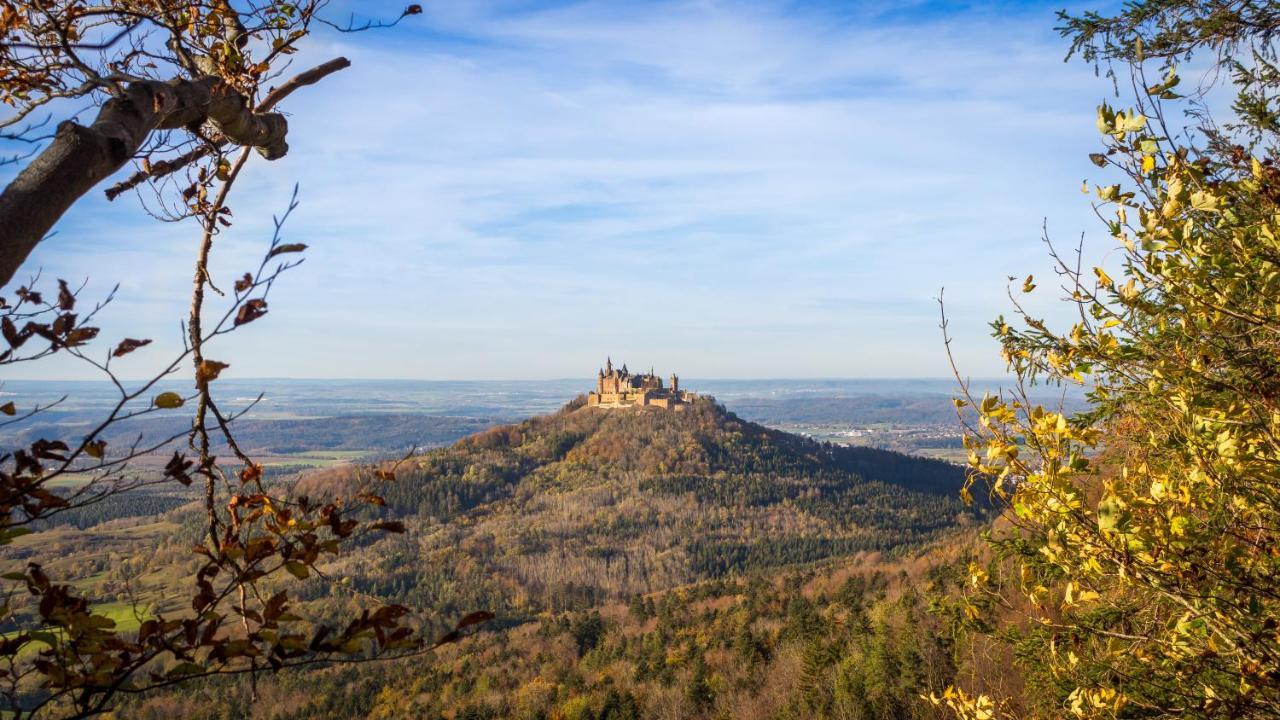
553, 521
865, 637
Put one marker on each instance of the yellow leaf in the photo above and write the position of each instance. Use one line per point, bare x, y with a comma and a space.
1130, 123
168, 400
1201, 200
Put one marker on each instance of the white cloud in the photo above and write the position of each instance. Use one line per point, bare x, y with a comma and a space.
731, 189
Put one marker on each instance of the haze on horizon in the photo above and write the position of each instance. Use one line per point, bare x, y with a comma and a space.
723, 189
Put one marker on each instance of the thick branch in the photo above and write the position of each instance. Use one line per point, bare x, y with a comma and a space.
80, 157
161, 168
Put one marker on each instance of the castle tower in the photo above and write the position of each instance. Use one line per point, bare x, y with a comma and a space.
675, 383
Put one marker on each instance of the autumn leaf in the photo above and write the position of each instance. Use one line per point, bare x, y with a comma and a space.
208, 371
286, 248
391, 526
177, 469
66, 301
81, 335
475, 618
127, 346
251, 310
168, 400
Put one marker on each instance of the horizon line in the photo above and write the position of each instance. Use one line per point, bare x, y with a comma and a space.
931, 378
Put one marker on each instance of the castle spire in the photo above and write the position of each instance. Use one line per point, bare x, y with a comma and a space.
608, 366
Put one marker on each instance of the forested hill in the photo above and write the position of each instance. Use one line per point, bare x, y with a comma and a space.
712, 529
569, 509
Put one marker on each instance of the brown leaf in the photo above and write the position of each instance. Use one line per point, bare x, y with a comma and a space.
177, 469
127, 346
475, 618
244, 283
66, 300
251, 310
250, 473
81, 335
286, 248
209, 371
96, 449
8, 408
10, 332
391, 526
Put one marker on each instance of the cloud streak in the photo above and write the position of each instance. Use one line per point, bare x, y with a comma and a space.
729, 189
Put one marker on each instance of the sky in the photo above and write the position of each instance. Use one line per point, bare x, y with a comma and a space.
726, 189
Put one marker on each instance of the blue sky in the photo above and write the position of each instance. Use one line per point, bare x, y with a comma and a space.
726, 189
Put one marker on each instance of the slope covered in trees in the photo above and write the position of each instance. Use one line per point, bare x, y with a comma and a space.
552, 520
572, 508
856, 638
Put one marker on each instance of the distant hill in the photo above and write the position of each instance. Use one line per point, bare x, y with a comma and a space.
569, 509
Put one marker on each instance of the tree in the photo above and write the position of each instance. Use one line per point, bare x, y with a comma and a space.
183, 89
1143, 548
200, 69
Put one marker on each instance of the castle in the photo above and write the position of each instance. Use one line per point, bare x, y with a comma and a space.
619, 389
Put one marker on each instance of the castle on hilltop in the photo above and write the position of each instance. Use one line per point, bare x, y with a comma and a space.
619, 388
